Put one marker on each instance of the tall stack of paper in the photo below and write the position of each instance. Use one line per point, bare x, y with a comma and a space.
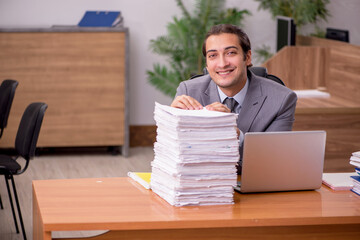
196, 152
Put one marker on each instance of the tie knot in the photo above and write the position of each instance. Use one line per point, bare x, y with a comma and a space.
230, 103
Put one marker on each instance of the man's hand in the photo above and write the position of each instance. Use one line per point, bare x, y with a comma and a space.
189, 103
186, 102
216, 106
238, 132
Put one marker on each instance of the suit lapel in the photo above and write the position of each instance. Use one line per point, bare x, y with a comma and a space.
252, 104
250, 107
211, 94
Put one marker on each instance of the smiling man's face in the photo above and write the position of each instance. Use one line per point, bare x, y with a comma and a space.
225, 62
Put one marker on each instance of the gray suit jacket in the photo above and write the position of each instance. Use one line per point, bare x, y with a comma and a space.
268, 106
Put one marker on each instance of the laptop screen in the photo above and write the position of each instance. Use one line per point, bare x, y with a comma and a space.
283, 161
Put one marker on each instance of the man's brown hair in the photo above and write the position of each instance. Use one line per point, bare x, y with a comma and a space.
228, 28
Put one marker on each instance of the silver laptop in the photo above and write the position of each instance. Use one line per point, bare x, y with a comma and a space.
282, 161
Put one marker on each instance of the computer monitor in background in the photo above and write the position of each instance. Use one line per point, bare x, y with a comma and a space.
286, 32
337, 34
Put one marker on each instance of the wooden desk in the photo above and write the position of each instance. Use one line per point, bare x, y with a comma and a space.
340, 118
131, 212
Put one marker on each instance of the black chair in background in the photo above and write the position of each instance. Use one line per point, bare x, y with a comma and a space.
258, 71
7, 93
25, 145
262, 72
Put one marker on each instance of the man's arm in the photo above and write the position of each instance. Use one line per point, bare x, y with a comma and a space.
286, 115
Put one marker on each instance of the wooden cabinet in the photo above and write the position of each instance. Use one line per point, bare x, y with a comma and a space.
81, 73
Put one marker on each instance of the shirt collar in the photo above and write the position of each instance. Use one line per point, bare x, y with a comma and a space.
239, 97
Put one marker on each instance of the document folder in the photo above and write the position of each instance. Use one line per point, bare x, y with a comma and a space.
100, 19
142, 178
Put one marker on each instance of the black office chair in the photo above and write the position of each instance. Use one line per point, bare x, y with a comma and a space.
205, 71
258, 71
7, 92
262, 72
25, 145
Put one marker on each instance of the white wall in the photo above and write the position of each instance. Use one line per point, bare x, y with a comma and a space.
146, 20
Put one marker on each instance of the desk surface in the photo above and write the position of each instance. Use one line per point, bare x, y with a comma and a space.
121, 204
333, 104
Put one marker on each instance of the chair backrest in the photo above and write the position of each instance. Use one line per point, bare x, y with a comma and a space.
7, 92
262, 72
29, 129
259, 71
205, 71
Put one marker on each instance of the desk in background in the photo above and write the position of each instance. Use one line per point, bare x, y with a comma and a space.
332, 66
129, 211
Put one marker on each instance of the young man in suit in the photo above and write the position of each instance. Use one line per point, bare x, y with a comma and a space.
262, 104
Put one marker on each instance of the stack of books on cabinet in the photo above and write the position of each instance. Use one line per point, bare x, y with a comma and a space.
196, 152
355, 161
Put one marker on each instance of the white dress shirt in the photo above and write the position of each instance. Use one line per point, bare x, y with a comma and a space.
239, 97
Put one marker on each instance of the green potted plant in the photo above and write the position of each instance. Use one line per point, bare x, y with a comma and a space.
302, 11
183, 42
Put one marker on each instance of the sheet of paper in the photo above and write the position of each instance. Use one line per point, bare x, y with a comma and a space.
311, 93
338, 181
